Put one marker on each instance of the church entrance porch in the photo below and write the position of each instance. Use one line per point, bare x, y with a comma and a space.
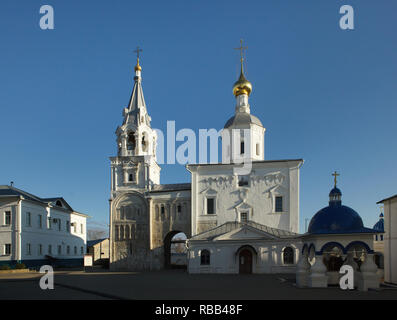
245, 262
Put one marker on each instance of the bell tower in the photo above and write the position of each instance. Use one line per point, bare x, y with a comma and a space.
135, 167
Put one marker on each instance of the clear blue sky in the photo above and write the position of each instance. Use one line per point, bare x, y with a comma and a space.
324, 94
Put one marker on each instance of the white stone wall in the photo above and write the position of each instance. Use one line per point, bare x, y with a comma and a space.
31, 234
390, 240
266, 181
231, 143
100, 250
224, 259
143, 249
8, 234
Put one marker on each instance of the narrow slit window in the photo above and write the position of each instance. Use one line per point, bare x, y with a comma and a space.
210, 206
279, 204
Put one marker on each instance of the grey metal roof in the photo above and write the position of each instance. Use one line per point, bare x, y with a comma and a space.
233, 225
242, 118
171, 187
392, 197
91, 243
253, 162
12, 191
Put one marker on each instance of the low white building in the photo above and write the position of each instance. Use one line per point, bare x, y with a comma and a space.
37, 231
390, 238
243, 247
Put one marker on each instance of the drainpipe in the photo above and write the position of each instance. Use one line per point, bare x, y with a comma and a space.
18, 225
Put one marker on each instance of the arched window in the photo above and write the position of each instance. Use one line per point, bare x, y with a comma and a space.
130, 177
179, 209
205, 257
127, 232
117, 233
121, 232
288, 255
258, 150
162, 213
131, 141
59, 203
144, 143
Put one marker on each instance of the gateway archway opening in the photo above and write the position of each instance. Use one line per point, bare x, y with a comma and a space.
175, 251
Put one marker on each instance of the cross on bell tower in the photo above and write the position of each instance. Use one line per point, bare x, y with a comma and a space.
137, 67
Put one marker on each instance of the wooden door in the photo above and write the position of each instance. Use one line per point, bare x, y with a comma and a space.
245, 261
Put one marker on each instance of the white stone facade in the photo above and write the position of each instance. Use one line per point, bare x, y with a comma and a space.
390, 239
38, 228
266, 250
144, 215
254, 194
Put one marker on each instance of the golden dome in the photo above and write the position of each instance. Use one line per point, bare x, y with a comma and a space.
137, 67
242, 85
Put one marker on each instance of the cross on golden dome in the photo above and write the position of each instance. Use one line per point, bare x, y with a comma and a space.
335, 174
242, 85
241, 48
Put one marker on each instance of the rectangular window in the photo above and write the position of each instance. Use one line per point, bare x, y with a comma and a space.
243, 181
179, 208
49, 249
68, 249
28, 249
74, 227
82, 250
81, 228
210, 206
59, 249
7, 218
28, 219
40, 249
67, 226
75, 250
279, 204
244, 217
49, 222
7, 249
242, 147
40, 221
59, 224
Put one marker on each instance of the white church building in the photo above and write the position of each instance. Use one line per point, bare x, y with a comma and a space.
239, 216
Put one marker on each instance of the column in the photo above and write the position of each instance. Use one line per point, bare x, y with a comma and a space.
368, 277
350, 261
303, 270
318, 277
